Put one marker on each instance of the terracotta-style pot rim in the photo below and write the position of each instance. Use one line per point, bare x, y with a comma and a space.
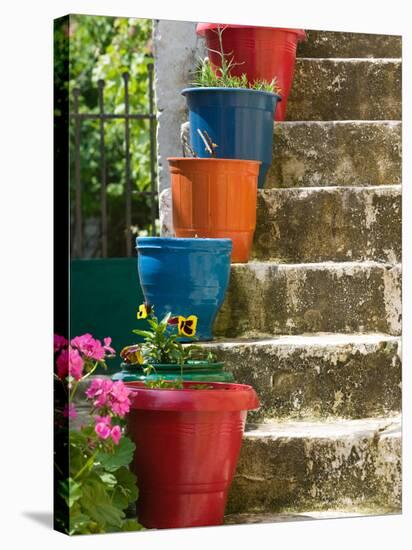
235, 397
214, 160
201, 28
221, 89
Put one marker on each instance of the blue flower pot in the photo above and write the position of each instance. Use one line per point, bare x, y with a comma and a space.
238, 120
185, 276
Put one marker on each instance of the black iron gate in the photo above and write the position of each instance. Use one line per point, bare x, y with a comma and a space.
77, 117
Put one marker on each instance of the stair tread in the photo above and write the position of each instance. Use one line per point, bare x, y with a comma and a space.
309, 339
307, 515
327, 429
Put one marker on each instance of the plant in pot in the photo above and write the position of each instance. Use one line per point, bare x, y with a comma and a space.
236, 114
260, 53
188, 436
94, 486
185, 275
162, 356
215, 198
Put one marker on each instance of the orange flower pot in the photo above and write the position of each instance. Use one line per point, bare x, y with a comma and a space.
216, 198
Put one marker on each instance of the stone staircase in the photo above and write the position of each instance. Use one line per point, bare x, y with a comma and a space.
313, 321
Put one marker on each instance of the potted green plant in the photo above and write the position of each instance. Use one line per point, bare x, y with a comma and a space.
94, 485
163, 357
236, 113
187, 434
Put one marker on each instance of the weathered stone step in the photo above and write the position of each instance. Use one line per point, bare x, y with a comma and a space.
265, 298
349, 44
344, 153
306, 465
307, 515
317, 376
307, 154
346, 89
329, 223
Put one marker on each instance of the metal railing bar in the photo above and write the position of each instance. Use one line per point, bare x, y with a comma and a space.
78, 221
128, 188
103, 184
96, 116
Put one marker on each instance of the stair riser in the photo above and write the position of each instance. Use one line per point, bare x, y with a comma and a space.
355, 89
322, 154
267, 299
299, 473
338, 224
349, 44
297, 382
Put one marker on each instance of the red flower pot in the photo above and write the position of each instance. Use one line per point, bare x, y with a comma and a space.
262, 53
187, 446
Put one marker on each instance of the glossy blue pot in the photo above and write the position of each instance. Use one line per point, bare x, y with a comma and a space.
238, 120
185, 277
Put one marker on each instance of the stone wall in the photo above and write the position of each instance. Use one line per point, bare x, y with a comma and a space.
176, 50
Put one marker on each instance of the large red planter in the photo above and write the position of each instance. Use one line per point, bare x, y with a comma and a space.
187, 447
262, 53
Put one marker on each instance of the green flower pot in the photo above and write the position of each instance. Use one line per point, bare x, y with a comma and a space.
193, 371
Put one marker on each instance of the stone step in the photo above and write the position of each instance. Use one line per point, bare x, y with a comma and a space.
329, 223
304, 465
265, 298
307, 154
344, 153
317, 376
307, 515
346, 89
349, 44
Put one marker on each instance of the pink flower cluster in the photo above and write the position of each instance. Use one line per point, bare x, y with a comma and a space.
114, 396
71, 358
69, 362
104, 429
91, 348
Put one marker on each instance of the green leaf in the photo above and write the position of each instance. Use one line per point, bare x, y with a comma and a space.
97, 503
144, 333
122, 455
108, 479
70, 491
125, 491
132, 525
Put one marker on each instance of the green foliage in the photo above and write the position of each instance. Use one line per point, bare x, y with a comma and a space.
100, 485
103, 48
205, 76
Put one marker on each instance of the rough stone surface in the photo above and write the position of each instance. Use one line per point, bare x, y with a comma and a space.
319, 465
307, 154
333, 223
349, 44
346, 89
268, 298
307, 515
176, 50
321, 154
317, 376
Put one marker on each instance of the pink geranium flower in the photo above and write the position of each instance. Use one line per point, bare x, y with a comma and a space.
116, 434
99, 391
106, 345
75, 364
102, 430
88, 346
59, 342
62, 363
69, 411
